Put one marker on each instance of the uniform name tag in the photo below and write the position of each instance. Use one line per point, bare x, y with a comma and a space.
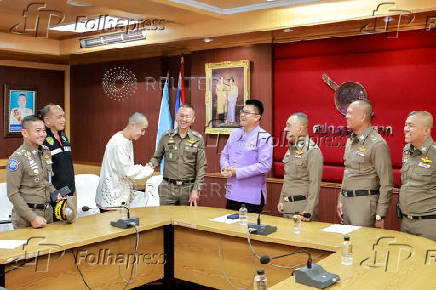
67, 148
56, 151
424, 165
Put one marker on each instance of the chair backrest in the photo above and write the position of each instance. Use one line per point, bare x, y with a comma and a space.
5, 205
86, 186
151, 190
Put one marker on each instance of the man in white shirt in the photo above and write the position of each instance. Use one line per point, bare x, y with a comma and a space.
118, 168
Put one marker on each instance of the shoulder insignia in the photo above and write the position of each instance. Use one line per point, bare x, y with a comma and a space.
13, 164
49, 140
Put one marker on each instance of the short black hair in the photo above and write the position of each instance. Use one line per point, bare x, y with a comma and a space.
29, 119
258, 104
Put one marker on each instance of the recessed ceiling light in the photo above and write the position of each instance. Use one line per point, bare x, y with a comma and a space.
76, 3
288, 30
103, 22
270, 0
207, 39
388, 19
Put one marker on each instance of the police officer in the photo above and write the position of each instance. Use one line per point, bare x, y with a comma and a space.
418, 177
303, 171
185, 161
367, 184
28, 178
59, 146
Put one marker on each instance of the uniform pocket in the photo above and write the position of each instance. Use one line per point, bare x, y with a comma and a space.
171, 153
190, 153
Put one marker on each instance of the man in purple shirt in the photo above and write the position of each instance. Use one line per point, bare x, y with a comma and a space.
246, 159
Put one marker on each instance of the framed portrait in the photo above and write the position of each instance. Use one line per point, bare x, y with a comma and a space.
227, 89
19, 102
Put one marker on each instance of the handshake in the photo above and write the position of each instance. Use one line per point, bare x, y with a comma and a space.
228, 172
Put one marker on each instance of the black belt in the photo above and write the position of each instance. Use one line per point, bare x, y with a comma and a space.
424, 217
38, 205
179, 182
363, 192
293, 198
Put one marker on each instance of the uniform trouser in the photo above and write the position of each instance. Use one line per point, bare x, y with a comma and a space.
172, 194
359, 210
296, 207
19, 222
424, 227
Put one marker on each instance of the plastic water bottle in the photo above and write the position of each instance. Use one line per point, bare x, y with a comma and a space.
260, 281
243, 215
347, 252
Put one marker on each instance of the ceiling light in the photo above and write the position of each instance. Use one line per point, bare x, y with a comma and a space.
288, 30
207, 40
112, 38
103, 22
270, 0
78, 4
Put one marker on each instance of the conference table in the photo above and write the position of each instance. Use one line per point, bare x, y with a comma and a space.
183, 243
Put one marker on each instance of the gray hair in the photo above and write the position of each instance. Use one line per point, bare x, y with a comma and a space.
426, 116
137, 118
368, 107
44, 111
302, 118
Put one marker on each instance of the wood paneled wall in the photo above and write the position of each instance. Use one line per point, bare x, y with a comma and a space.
95, 117
50, 86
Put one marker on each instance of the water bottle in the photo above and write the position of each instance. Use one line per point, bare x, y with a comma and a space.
347, 252
243, 215
260, 281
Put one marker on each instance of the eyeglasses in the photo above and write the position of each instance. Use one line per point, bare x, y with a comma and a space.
247, 112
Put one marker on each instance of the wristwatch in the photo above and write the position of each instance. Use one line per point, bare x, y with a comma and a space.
377, 217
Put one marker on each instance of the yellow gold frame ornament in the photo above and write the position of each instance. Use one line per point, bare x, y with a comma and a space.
227, 89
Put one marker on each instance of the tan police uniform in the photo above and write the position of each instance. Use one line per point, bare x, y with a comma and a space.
303, 173
418, 190
185, 166
367, 184
28, 179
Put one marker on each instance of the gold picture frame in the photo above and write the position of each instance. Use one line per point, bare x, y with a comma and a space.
225, 83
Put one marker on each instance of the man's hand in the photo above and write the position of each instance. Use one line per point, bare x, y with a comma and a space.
194, 197
380, 224
226, 172
38, 222
280, 207
305, 219
339, 212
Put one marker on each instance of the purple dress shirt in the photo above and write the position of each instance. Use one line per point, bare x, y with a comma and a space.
251, 155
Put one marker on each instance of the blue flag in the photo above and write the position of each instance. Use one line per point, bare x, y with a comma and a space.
165, 121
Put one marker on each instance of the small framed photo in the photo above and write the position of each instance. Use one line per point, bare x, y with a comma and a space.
19, 102
227, 89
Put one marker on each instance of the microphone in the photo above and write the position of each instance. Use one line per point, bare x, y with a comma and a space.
306, 214
312, 275
123, 223
259, 229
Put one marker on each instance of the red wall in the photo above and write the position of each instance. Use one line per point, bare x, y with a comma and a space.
50, 87
398, 73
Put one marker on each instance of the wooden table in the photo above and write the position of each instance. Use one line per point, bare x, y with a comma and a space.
181, 242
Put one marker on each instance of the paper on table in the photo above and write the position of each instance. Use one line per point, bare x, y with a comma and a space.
224, 219
341, 229
11, 244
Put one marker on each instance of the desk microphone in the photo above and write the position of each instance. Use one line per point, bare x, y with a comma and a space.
259, 229
123, 223
312, 275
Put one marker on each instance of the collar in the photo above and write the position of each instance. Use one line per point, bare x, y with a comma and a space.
423, 148
31, 148
50, 132
301, 144
362, 136
189, 134
255, 132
